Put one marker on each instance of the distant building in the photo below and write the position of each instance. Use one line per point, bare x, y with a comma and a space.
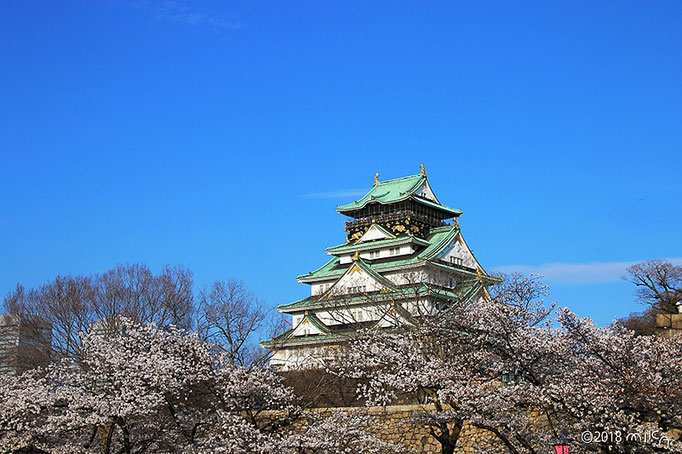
24, 344
404, 257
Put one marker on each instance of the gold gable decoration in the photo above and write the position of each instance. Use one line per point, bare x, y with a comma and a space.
479, 274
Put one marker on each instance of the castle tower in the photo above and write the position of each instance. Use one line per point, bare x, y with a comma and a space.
404, 258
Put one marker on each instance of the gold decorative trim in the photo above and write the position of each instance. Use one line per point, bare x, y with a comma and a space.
479, 274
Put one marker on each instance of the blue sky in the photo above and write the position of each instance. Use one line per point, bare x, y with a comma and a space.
221, 135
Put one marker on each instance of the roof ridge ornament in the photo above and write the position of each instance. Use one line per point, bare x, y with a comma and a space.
356, 256
422, 171
376, 179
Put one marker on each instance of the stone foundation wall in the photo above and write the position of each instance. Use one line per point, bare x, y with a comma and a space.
668, 325
390, 425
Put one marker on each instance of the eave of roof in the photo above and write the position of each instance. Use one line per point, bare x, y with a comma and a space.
387, 192
464, 297
374, 275
281, 341
320, 301
438, 239
397, 190
323, 270
449, 210
341, 248
314, 303
316, 322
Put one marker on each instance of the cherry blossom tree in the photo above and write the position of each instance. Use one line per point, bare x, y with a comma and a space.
339, 432
152, 390
621, 385
502, 365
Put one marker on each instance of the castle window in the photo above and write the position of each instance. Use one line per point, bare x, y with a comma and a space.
455, 260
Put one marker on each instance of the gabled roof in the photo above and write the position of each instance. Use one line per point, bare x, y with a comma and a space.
405, 314
396, 190
308, 318
328, 269
286, 339
438, 239
469, 294
373, 274
363, 267
464, 295
376, 228
316, 302
359, 246
387, 191
316, 322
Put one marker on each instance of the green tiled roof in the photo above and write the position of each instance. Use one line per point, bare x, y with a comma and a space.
374, 275
300, 303
440, 206
286, 339
315, 302
487, 277
316, 322
469, 294
396, 190
328, 269
388, 191
377, 243
437, 241
405, 314
288, 335
464, 296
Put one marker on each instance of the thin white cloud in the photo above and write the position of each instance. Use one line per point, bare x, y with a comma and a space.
341, 193
579, 273
185, 13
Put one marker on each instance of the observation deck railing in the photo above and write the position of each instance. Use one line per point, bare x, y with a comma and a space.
395, 216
